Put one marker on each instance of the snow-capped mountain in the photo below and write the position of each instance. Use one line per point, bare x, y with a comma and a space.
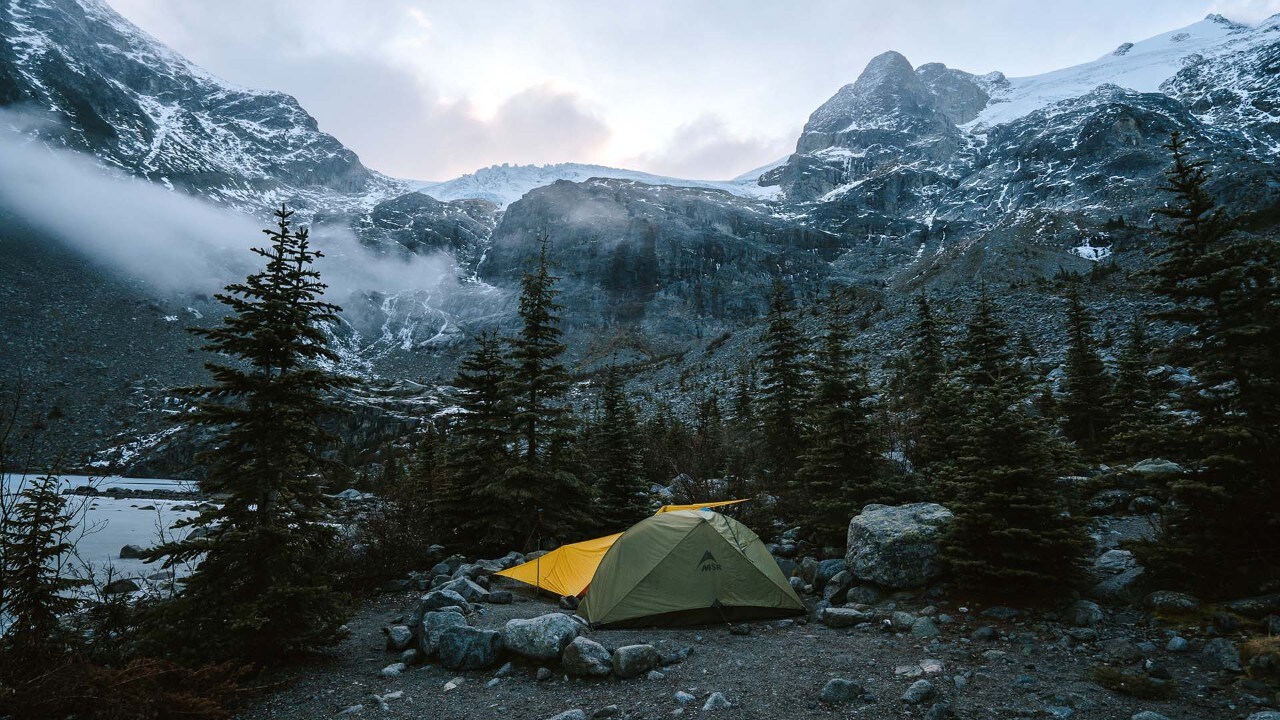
504, 184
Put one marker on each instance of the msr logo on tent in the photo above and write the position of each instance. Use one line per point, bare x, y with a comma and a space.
708, 562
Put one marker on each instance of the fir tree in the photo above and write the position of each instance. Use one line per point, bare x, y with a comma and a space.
1013, 533
262, 588
37, 593
784, 393
924, 360
614, 458
476, 508
1140, 428
551, 499
1086, 383
1223, 530
840, 470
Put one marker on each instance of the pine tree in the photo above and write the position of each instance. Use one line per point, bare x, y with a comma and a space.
1013, 534
551, 500
841, 467
614, 458
784, 393
1140, 428
262, 587
476, 509
924, 361
37, 593
1222, 532
1086, 383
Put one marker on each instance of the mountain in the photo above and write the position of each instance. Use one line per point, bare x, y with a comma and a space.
504, 184
909, 177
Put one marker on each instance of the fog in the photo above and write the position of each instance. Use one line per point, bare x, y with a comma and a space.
175, 242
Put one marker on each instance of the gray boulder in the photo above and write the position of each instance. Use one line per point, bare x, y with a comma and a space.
398, 637
1255, 607
585, 657
920, 691
1083, 613
1123, 588
716, 701
1156, 466
433, 624
541, 638
132, 552
462, 647
467, 589
925, 628
1168, 601
635, 660
897, 547
839, 691
827, 569
837, 587
843, 617
1115, 562
1221, 654
437, 599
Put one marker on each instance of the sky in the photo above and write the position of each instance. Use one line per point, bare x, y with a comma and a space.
703, 89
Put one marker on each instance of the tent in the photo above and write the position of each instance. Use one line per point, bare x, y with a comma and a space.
687, 567
568, 569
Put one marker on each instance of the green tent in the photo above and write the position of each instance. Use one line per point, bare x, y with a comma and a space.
687, 567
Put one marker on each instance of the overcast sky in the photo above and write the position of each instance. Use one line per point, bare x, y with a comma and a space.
706, 89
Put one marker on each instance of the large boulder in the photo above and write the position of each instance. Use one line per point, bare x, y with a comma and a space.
433, 625
466, 589
827, 569
635, 660
897, 546
463, 647
585, 657
541, 638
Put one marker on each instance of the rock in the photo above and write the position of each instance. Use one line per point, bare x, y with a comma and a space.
684, 698
809, 570
1060, 712
634, 660
500, 597
1148, 715
1123, 588
925, 628
863, 594
896, 546
839, 690
1082, 634
827, 569
1115, 561
542, 675
836, 589
454, 684
716, 701
940, 711
351, 710
1254, 607
1221, 654
920, 691
1083, 613
843, 617
570, 715
394, 670
1111, 501
462, 647
541, 638
655, 675
1168, 601
798, 584
438, 599
120, 587
132, 552
740, 629
398, 637
1000, 612
411, 656
672, 653
1144, 505
466, 589
1122, 650
984, 634
434, 623
1176, 644
1156, 466
584, 657
469, 571
1265, 715
608, 711
568, 602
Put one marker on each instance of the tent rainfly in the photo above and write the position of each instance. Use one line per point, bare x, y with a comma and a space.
568, 569
687, 567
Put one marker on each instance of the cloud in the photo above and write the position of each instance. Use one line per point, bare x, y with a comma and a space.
706, 149
1246, 11
175, 242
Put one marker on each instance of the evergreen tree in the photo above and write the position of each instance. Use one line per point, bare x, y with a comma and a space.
614, 458
476, 507
262, 587
550, 500
37, 591
1013, 533
924, 362
1140, 428
1223, 530
841, 468
1086, 383
784, 393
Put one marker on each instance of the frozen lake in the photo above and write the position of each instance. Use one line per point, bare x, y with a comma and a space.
106, 524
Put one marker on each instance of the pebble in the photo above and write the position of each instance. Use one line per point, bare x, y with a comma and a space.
453, 684
655, 675
1148, 715
394, 670
493, 683
607, 711
543, 674
840, 690
716, 701
684, 698
920, 691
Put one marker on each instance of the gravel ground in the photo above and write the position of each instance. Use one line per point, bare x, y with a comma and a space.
775, 672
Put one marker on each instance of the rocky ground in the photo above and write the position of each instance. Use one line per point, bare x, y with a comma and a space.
1028, 665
